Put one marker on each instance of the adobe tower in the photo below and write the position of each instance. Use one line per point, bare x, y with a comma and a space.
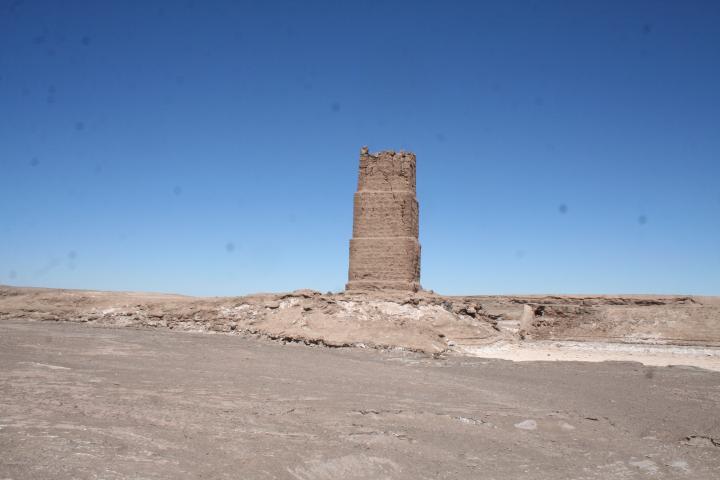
384, 249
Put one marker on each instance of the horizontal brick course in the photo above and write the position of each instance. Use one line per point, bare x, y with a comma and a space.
384, 214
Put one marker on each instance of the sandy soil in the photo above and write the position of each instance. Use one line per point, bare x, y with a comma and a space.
657, 355
92, 402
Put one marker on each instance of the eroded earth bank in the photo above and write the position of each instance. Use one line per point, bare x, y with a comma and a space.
423, 322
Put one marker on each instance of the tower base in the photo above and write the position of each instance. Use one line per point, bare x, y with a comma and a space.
377, 286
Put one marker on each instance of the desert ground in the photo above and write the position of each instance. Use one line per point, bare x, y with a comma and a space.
106, 385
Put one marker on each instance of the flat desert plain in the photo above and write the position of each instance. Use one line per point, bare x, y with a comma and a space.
305, 385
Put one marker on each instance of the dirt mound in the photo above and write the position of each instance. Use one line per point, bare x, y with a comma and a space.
414, 321
422, 321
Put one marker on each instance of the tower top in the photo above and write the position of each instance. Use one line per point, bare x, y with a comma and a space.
386, 171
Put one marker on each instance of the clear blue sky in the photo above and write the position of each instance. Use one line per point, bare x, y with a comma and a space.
211, 147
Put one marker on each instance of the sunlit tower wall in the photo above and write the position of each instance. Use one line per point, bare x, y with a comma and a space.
384, 249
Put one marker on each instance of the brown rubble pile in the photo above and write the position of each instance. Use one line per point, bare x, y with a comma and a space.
417, 321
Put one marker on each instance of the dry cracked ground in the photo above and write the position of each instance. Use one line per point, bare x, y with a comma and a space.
88, 401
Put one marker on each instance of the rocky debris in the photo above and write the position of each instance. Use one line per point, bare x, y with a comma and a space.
701, 441
417, 321
667, 319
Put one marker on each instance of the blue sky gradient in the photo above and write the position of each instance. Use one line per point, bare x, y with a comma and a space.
211, 147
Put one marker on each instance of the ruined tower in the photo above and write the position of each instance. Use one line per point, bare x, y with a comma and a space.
384, 249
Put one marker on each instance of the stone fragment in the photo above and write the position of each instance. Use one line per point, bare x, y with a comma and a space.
527, 425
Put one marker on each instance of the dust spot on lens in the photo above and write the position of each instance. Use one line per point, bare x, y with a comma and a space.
85, 40
642, 219
519, 253
230, 247
72, 255
177, 190
647, 28
562, 208
335, 107
49, 266
34, 162
79, 126
12, 274
440, 137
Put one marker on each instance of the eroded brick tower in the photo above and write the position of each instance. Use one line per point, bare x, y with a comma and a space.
384, 249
